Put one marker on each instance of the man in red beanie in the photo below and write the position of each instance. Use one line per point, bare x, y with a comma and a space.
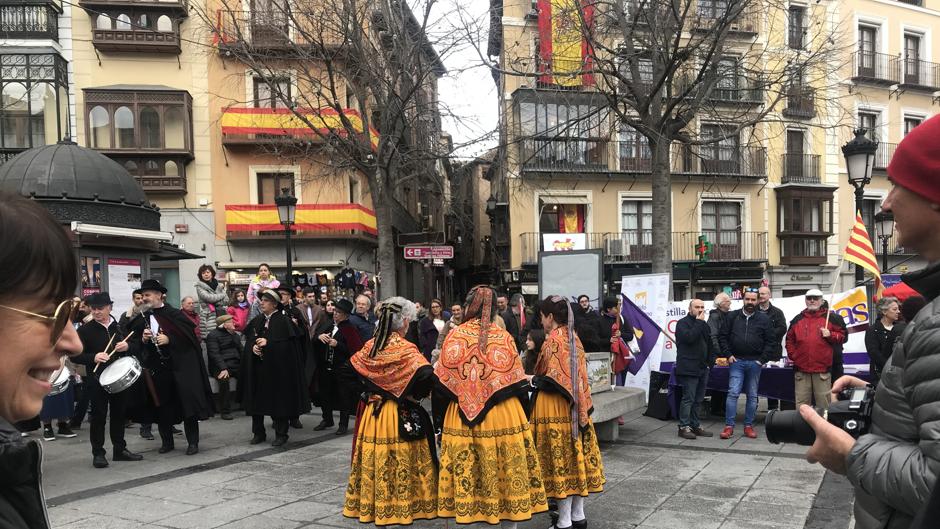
894, 467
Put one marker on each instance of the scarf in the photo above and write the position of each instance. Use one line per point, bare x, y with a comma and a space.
212, 283
243, 304
391, 367
555, 363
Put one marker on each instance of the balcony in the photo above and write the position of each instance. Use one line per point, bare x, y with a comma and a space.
179, 7
240, 30
29, 22
801, 102
720, 160
920, 74
806, 249
313, 221
883, 155
7, 154
137, 40
801, 169
247, 127
733, 90
162, 185
636, 246
564, 154
878, 68
712, 12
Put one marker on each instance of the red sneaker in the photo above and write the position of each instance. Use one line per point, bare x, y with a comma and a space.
727, 432
749, 432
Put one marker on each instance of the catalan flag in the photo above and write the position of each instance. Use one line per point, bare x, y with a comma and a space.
859, 250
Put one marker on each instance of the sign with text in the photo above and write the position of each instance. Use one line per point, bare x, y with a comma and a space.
429, 252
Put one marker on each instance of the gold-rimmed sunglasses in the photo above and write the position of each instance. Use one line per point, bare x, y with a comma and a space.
63, 315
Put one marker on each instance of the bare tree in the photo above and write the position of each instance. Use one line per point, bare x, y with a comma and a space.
364, 87
658, 68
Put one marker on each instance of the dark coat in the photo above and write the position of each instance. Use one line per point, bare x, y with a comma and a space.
747, 338
225, 351
95, 338
427, 336
365, 325
778, 323
515, 328
273, 384
181, 377
606, 329
21, 501
716, 318
695, 351
336, 380
879, 342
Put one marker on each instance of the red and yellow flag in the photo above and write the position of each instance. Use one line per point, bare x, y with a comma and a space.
860, 251
564, 49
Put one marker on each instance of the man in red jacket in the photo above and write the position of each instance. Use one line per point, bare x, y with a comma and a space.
810, 340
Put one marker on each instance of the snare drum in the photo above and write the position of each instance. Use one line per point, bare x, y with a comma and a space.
60, 380
120, 375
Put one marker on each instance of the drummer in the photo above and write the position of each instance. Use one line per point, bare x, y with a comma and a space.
95, 336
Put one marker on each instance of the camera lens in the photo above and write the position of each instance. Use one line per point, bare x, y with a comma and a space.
788, 427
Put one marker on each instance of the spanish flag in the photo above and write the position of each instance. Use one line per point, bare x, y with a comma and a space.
859, 250
564, 49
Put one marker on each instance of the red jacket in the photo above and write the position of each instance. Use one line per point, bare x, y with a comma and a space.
239, 316
806, 347
193, 317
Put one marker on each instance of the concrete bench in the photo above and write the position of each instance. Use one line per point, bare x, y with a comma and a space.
611, 405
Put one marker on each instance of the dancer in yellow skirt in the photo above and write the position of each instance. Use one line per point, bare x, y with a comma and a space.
393, 479
489, 469
561, 417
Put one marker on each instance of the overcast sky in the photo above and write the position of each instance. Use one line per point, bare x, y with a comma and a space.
468, 93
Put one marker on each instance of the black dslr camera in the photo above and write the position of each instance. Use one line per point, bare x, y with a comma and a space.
851, 413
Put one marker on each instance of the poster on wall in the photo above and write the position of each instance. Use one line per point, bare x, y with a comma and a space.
649, 292
564, 242
91, 275
123, 280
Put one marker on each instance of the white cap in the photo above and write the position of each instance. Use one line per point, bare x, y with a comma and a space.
814, 292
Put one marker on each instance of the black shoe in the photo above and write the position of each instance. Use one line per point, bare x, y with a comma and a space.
579, 525
166, 448
258, 439
99, 462
127, 455
296, 424
323, 426
75, 425
280, 440
65, 431
227, 417
48, 434
146, 434
176, 431
192, 449
342, 429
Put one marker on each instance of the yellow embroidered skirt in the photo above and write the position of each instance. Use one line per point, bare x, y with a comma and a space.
392, 481
489, 472
569, 467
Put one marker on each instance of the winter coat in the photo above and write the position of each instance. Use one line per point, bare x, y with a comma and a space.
879, 342
747, 338
894, 467
257, 284
208, 301
197, 327
365, 325
806, 347
428, 335
22, 504
239, 316
273, 384
694, 349
716, 318
224, 351
778, 323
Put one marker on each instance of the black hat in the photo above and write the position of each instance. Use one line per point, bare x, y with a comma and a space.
343, 305
271, 294
152, 284
99, 299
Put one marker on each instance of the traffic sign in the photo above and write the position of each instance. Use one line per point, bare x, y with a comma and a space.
429, 252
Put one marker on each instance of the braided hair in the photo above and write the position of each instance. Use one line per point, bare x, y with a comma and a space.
552, 305
392, 315
481, 303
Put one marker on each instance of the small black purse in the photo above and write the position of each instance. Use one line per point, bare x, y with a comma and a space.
412, 421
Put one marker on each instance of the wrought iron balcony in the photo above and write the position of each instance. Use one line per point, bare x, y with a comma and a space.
712, 12
874, 67
180, 7
720, 160
275, 30
801, 102
884, 154
20, 21
801, 169
564, 154
920, 74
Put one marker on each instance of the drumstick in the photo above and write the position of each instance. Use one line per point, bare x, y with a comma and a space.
95, 370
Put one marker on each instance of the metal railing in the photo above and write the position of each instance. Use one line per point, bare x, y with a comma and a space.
29, 22
795, 36
801, 169
564, 153
920, 73
876, 66
801, 102
636, 246
274, 29
712, 12
719, 159
883, 155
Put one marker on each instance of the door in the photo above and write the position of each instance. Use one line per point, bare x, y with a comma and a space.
721, 224
269, 23
912, 59
866, 51
794, 165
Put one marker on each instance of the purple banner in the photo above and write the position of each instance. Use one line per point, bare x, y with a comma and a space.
646, 331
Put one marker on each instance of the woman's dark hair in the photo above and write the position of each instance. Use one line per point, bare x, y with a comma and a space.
266, 265
203, 268
238, 291
911, 306
531, 357
36, 255
439, 303
583, 296
610, 302
557, 309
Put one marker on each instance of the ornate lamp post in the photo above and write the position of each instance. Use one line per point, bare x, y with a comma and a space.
859, 161
286, 212
884, 225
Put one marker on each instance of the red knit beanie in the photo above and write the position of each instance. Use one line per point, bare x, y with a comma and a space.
916, 162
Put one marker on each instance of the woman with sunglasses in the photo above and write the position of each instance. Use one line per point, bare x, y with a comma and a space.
37, 292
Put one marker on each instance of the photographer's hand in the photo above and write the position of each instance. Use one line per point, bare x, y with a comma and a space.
845, 382
832, 444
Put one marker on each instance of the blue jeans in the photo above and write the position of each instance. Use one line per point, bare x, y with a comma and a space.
743, 374
693, 393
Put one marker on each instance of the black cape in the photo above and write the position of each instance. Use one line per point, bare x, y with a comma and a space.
273, 384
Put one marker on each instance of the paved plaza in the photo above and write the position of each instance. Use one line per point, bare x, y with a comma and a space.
654, 480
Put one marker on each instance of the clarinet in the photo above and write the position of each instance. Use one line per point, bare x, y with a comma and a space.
146, 313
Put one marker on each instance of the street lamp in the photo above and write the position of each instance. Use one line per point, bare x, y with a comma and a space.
884, 225
286, 212
859, 161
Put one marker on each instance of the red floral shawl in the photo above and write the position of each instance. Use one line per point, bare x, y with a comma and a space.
392, 367
554, 364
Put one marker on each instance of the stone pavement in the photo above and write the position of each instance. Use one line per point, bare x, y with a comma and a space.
654, 480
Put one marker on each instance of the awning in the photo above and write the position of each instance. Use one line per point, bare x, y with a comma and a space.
297, 265
113, 231
172, 252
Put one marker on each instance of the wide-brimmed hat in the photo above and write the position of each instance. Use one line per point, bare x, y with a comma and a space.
152, 284
99, 299
270, 294
343, 305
